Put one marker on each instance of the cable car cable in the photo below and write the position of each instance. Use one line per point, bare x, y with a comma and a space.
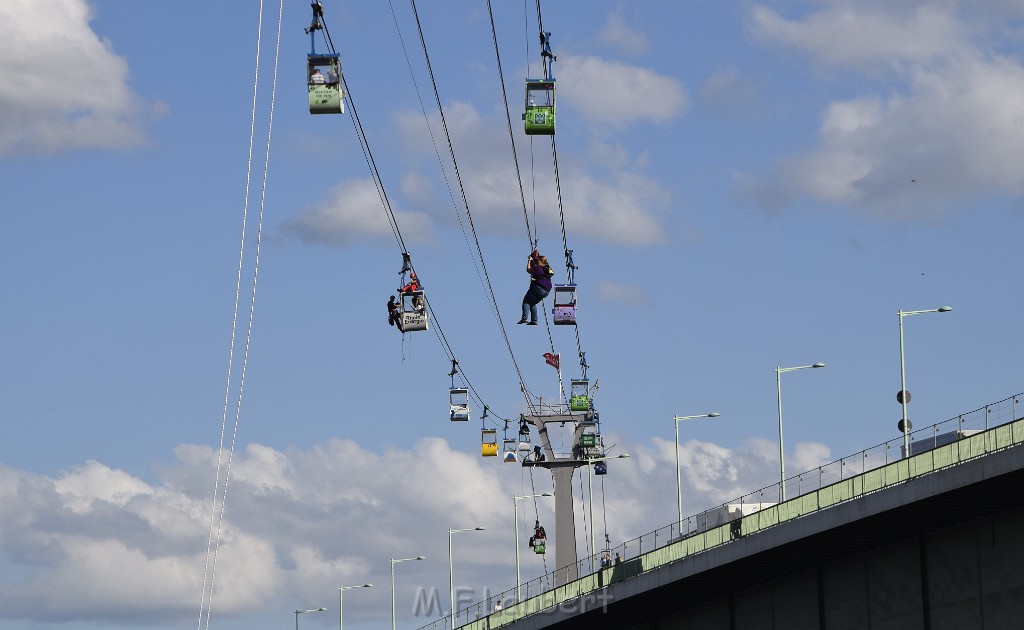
458, 176
508, 119
217, 520
531, 235
382, 193
444, 174
430, 130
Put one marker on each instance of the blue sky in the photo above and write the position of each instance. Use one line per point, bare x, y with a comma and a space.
745, 185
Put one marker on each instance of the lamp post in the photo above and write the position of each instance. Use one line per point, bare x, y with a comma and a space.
393, 563
515, 508
782, 457
904, 396
341, 589
451, 578
590, 488
679, 479
300, 612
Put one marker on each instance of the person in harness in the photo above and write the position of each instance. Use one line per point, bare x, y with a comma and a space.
540, 285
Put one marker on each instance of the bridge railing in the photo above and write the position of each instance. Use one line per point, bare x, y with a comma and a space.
725, 522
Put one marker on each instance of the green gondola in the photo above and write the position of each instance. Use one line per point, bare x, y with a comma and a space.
540, 107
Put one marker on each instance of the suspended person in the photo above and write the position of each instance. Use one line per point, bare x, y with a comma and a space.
540, 285
393, 313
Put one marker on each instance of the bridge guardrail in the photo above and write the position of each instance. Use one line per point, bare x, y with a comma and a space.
969, 435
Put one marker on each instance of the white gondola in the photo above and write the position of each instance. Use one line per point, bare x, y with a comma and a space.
458, 398
565, 305
323, 75
508, 451
413, 311
524, 438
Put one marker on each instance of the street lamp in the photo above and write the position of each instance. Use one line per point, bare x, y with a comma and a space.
451, 579
300, 612
679, 479
515, 507
341, 589
393, 563
782, 457
590, 488
904, 396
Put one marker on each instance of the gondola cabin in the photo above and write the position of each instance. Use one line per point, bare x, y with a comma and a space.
540, 107
458, 398
488, 443
579, 395
600, 468
539, 540
524, 438
565, 305
413, 311
508, 451
588, 435
323, 76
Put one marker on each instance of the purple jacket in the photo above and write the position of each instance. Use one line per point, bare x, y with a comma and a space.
539, 274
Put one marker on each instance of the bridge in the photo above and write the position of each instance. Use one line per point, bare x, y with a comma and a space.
876, 540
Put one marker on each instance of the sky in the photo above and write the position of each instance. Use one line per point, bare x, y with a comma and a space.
744, 185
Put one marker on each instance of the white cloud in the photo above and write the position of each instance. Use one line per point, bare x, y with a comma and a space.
614, 291
857, 33
74, 96
299, 522
607, 199
622, 37
353, 211
729, 94
616, 94
947, 131
807, 456
622, 208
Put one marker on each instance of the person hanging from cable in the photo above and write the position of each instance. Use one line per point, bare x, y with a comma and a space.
540, 285
394, 314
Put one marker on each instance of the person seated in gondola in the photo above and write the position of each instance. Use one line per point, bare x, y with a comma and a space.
332, 77
316, 78
414, 284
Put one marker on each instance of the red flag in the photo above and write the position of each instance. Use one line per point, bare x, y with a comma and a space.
551, 359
